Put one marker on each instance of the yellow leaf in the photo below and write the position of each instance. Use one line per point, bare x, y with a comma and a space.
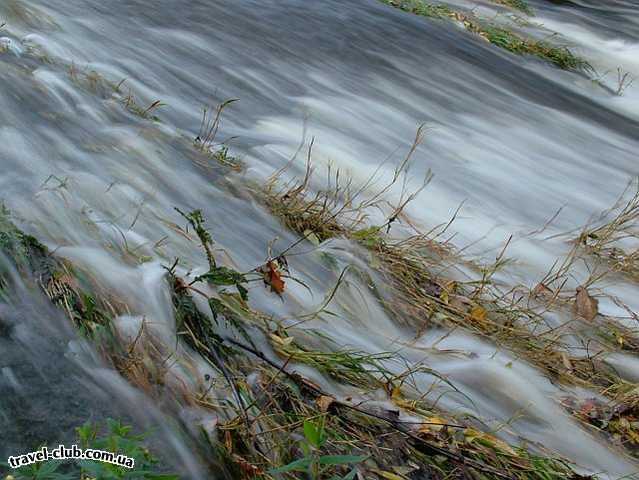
444, 296
389, 475
312, 237
284, 342
471, 435
432, 424
396, 393
478, 314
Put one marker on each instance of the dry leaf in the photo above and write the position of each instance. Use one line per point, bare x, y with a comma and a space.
586, 306
273, 277
432, 424
396, 392
478, 314
228, 441
324, 402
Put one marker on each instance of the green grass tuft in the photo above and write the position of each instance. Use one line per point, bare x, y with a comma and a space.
505, 38
520, 5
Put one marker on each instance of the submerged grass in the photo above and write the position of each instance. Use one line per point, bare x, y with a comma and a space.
272, 403
257, 432
500, 36
283, 403
423, 298
206, 139
514, 320
614, 239
520, 5
258, 439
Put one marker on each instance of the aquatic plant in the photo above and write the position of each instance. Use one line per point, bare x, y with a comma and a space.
520, 5
500, 36
614, 237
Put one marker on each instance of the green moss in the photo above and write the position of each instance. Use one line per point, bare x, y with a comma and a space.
24, 251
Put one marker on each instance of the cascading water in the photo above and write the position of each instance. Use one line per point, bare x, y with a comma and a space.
512, 137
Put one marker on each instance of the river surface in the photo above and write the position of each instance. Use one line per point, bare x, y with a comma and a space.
512, 137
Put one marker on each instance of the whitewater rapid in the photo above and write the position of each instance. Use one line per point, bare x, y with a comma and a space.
512, 137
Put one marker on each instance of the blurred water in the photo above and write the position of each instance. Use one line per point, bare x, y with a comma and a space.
514, 137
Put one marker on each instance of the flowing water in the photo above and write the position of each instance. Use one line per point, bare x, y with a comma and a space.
513, 137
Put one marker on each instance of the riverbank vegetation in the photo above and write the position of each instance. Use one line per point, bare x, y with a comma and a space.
498, 35
275, 421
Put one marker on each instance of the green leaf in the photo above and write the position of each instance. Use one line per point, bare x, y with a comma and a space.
216, 306
369, 237
313, 434
243, 292
297, 466
349, 476
222, 276
47, 469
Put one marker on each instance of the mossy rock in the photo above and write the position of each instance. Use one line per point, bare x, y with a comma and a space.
24, 252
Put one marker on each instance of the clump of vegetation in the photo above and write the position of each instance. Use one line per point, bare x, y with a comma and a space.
97, 84
617, 419
425, 9
417, 296
24, 251
206, 139
341, 438
520, 5
614, 239
116, 438
257, 432
421, 297
357, 368
502, 37
317, 466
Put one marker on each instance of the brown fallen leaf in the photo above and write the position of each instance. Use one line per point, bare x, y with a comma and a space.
324, 402
586, 306
273, 276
